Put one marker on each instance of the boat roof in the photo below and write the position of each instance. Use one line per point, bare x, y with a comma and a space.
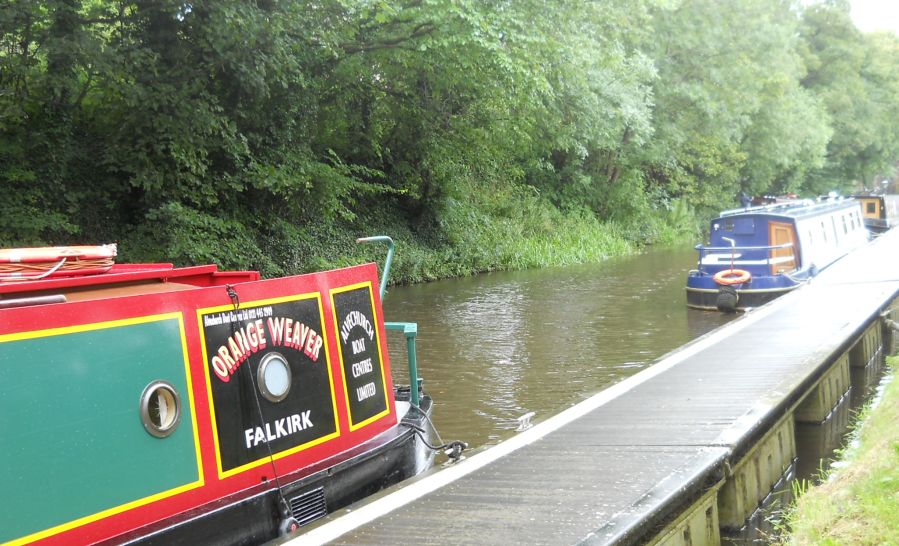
795, 209
883, 197
139, 278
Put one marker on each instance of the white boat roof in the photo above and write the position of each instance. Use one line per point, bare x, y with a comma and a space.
792, 209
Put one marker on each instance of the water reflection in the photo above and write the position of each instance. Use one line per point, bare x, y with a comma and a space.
494, 347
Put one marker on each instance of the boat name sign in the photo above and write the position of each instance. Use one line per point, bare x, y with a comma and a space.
251, 337
276, 340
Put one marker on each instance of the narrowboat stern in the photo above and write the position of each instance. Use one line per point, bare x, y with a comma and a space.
881, 211
152, 404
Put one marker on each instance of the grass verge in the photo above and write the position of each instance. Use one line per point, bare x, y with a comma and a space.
509, 229
858, 502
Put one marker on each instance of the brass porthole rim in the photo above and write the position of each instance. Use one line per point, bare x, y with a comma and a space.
260, 376
145, 397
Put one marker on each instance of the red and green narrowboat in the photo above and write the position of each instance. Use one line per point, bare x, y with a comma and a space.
152, 404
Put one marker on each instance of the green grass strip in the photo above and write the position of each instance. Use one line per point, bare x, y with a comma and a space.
858, 501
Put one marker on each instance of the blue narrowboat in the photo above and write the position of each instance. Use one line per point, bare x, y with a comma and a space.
758, 253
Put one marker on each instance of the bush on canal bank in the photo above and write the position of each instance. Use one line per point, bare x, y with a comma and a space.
493, 232
858, 502
475, 231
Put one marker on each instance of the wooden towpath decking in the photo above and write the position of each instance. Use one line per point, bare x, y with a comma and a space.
609, 469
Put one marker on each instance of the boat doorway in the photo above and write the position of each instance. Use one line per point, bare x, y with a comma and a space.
783, 260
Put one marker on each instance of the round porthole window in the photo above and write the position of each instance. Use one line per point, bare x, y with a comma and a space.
160, 408
274, 377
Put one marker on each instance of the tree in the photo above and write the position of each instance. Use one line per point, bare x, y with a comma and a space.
853, 76
730, 112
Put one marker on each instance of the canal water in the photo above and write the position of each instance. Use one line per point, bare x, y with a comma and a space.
494, 347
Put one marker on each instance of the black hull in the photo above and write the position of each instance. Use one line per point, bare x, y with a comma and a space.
746, 299
395, 456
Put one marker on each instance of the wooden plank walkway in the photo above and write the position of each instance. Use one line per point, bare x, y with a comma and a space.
607, 469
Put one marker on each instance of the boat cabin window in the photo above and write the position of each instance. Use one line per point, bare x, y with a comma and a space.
160, 409
845, 227
871, 207
740, 226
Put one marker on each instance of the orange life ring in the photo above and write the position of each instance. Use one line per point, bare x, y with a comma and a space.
732, 276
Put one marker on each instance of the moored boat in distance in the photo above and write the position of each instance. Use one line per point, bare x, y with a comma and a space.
880, 211
152, 404
758, 253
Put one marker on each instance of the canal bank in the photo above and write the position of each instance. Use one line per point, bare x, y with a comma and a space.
857, 501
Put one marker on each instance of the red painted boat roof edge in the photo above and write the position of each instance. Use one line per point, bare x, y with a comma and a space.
121, 273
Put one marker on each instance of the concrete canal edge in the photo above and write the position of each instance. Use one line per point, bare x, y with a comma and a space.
733, 509
719, 491
402, 495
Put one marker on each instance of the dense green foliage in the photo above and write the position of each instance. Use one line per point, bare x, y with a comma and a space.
270, 133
